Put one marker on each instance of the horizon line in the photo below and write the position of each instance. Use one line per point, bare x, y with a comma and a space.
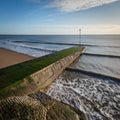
61, 34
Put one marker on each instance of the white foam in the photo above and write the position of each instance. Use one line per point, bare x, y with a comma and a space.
23, 49
98, 99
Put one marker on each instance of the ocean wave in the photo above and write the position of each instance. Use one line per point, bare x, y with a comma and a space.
101, 55
25, 50
93, 74
54, 43
63, 43
27, 46
97, 98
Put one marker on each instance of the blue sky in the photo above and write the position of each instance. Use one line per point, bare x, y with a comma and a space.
59, 16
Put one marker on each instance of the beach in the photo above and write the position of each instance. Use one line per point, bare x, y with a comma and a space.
8, 57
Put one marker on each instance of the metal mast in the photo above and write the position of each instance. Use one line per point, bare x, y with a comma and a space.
79, 36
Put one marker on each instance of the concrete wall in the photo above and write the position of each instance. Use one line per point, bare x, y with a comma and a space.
41, 79
46, 76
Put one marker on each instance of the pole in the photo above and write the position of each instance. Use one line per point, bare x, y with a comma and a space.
79, 36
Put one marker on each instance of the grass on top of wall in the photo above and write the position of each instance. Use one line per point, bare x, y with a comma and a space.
18, 72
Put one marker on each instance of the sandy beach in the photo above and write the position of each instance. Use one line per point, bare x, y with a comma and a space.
8, 57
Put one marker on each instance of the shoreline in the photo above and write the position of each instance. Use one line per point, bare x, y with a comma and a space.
9, 57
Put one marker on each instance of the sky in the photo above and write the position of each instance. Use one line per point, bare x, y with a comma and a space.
59, 16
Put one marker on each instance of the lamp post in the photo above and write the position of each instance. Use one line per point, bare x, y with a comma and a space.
79, 36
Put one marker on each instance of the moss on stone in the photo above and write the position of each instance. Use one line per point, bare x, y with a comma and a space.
18, 72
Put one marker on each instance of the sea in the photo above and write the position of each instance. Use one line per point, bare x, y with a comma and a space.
92, 83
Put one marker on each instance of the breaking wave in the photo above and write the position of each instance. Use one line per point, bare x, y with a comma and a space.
98, 98
101, 55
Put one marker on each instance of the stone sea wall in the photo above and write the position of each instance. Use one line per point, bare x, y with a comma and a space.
43, 78
46, 76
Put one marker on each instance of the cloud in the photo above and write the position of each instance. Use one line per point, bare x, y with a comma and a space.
76, 5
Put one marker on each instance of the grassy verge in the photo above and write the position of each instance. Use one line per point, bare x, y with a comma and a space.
18, 72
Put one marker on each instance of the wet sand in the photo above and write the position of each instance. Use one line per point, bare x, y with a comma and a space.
8, 57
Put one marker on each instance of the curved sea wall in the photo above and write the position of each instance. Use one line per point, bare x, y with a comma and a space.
41, 79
